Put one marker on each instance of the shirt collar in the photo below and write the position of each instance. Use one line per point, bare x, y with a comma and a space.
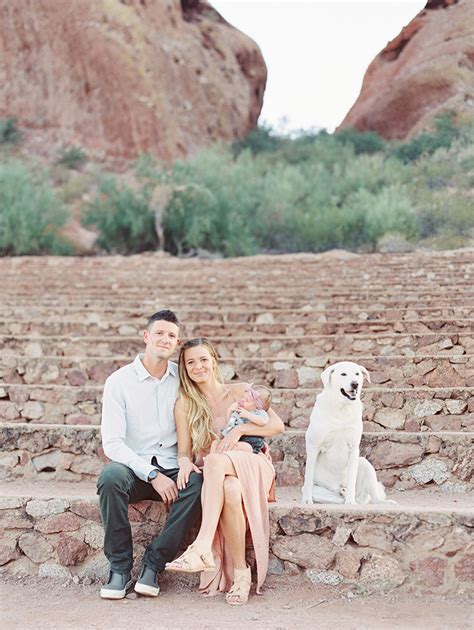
143, 373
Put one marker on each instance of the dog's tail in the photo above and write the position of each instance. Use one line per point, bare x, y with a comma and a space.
369, 489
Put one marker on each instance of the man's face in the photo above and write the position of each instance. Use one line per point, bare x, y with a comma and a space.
161, 340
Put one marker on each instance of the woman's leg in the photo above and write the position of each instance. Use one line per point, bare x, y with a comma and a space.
198, 557
233, 522
217, 467
233, 528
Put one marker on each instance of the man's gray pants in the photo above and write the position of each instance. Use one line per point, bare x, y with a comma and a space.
117, 487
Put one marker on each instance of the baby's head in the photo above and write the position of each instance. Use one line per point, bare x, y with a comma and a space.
257, 397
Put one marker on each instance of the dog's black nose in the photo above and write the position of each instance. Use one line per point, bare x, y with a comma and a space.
354, 384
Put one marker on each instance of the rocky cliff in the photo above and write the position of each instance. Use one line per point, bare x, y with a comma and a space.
426, 69
122, 77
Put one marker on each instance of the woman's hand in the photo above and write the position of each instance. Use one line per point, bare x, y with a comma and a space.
230, 440
186, 467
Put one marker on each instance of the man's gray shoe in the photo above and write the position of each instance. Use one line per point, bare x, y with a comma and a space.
147, 584
117, 586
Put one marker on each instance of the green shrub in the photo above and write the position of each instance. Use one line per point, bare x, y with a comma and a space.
261, 139
125, 220
362, 141
74, 157
311, 192
444, 134
446, 213
30, 214
9, 131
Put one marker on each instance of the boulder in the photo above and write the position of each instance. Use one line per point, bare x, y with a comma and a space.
35, 547
305, 550
380, 574
71, 551
167, 77
429, 570
425, 70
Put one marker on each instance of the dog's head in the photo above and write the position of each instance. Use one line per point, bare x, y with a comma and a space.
346, 378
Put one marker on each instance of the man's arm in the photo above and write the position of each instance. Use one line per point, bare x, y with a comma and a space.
113, 430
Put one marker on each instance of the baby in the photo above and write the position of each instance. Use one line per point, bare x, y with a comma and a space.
253, 408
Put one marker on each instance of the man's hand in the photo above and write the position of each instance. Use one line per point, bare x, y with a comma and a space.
186, 467
166, 488
229, 441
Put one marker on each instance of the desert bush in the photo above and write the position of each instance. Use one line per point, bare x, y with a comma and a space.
445, 213
30, 213
362, 141
444, 134
311, 192
124, 218
261, 139
9, 132
73, 158
214, 204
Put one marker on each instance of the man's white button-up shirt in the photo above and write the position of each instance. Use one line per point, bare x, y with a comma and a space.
138, 418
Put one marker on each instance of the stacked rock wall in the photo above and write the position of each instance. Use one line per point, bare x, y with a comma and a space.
66, 324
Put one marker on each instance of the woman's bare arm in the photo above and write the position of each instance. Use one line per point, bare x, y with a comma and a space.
254, 417
275, 424
274, 427
182, 430
185, 455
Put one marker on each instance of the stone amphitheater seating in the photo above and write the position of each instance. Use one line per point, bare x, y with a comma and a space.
66, 324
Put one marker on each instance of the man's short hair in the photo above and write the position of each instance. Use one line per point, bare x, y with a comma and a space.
164, 315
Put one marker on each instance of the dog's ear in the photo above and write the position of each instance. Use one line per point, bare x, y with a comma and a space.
365, 373
326, 376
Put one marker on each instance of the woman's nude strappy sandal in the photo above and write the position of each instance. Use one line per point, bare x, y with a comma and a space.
192, 561
239, 592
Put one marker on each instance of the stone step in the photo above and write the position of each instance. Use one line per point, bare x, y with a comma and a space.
253, 293
195, 269
423, 543
403, 460
263, 326
443, 259
115, 318
404, 409
389, 371
280, 347
109, 310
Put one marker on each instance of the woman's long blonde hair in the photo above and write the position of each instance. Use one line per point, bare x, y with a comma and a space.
200, 419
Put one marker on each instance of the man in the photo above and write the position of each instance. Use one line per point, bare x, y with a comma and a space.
139, 436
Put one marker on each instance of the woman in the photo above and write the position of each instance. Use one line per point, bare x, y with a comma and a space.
237, 482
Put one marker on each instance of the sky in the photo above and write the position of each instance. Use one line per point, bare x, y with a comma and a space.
316, 52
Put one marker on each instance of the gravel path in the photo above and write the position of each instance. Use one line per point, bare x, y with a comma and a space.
39, 604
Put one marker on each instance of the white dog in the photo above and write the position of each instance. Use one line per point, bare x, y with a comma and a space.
334, 471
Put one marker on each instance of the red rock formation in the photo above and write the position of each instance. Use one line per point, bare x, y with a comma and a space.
121, 77
426, 69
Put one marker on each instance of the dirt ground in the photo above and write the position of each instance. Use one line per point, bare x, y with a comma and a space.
46, 604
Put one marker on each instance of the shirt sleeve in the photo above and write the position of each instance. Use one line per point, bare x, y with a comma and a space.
113, 429
263, 414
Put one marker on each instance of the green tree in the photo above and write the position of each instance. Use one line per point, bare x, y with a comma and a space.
30, 213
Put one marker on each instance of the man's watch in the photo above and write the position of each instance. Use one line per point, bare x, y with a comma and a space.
152, 475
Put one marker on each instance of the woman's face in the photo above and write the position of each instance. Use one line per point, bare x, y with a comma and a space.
199, 364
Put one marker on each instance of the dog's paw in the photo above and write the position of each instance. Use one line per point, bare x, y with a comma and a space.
350, 501
307, 498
